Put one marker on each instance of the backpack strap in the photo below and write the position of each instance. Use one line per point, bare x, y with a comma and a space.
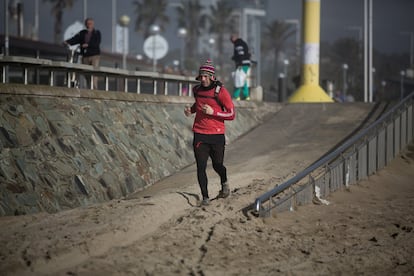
216, 93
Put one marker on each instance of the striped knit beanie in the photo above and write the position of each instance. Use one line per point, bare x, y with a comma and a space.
207, 69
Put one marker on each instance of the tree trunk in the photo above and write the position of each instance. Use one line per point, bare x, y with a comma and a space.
58, 27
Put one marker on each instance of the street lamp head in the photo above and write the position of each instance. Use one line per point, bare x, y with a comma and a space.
182, 32
124, 20
345, 66
211, 41
286, 62
154, 29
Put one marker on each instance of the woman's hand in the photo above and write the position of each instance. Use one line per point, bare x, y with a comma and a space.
187, 110
207, 109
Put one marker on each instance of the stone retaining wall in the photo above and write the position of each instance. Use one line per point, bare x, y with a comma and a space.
63, 148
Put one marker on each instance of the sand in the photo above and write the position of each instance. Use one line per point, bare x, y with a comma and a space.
367, 229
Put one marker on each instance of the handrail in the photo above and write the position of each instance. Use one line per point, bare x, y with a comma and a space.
101, 71
28, 60
258, 204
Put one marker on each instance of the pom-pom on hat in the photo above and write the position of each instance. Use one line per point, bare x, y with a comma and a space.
207, 69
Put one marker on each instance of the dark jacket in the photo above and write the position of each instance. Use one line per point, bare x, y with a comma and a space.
93, 44
241, 55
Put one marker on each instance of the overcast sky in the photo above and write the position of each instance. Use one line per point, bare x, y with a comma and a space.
339, 18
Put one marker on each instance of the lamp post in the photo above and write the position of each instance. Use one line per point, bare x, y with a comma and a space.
411, 34
182, 33
383, 84
344, 83
285, 71
297, 52
282, 87
113, 25
124, 21
6, 29
359, 58
35, 35
154, 29
368, 50
402, 74
211, 42
85, 9
176, 64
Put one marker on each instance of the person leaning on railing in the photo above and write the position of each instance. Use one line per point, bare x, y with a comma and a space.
89, 40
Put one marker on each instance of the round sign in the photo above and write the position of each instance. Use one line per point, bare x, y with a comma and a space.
155, 46
72, 30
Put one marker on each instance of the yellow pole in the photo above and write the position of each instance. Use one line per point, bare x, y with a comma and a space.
310, 91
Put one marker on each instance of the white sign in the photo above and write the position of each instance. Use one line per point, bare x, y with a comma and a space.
155, 47
311, 53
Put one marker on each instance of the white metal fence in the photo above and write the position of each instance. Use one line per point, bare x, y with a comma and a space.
17, 69
356, 159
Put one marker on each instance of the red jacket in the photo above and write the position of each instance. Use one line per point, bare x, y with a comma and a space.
223, 110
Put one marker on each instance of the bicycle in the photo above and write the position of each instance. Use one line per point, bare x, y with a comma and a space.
73, 57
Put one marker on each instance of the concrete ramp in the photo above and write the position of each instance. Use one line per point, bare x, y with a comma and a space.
285, 143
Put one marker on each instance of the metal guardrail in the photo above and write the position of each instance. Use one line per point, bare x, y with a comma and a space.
357, 158
23, 67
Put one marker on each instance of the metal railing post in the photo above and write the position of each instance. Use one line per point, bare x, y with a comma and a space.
165, 88
106, 83
25, 75
51, 77
180, 88
155, 87
3, 74
138, 86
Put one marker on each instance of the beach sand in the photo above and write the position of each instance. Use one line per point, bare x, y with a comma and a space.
366, 229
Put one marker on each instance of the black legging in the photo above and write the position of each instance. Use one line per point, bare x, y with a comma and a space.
201, 152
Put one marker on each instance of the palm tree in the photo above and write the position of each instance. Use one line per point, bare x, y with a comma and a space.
275, 35
191, 18
57, 11
222, 23
150, 12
